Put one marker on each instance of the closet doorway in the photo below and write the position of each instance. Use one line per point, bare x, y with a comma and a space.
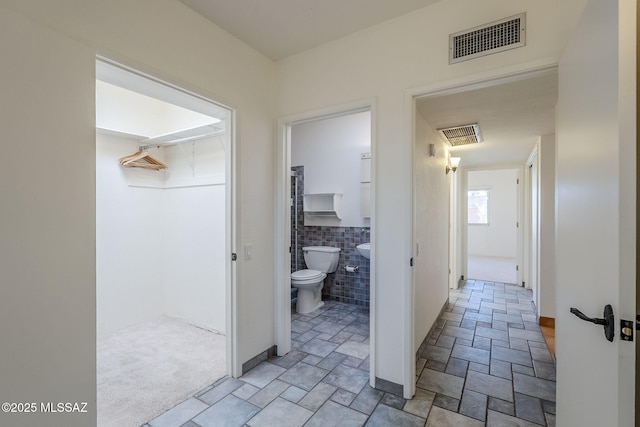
164, 229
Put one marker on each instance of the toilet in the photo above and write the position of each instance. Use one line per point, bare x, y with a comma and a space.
320, 260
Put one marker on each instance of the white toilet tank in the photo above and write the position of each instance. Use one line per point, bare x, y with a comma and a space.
321, 258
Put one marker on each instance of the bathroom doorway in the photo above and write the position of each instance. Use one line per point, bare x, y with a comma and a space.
164, 222
327, 178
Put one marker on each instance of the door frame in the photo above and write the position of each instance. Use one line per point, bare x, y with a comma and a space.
450, 87
283, 222
233, 366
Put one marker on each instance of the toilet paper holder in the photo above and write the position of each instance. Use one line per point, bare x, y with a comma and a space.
351, 268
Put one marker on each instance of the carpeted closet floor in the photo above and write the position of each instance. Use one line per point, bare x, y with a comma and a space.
146, 369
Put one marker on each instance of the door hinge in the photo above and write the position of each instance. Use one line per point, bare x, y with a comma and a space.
411, 262
517, 224
518, 181
234, 256
517, 268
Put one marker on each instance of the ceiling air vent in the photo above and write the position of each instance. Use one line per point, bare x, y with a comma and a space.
504, 34
462, 135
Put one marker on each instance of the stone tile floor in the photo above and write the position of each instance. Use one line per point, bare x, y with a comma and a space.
485, 363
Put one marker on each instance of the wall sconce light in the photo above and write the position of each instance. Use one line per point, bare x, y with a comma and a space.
454, 162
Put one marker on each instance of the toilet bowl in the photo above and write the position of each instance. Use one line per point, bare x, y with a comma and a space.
320, 260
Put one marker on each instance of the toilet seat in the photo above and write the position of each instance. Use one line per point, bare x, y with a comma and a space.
307, 277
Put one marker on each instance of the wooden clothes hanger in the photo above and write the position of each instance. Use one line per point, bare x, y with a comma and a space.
142, 159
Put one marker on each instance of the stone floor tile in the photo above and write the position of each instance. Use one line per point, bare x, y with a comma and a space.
519, 344
526, 335
307, 336
352, 361
493, 305
479, 367
393, 401
454, 331
492, 333
498, 419
548, 407
385, 416
420, 365
501, 369
367, 400
225, 388
446, 402
501, 406
451, 316
527, 306
262, 374
421, 403
300, 327
340, 337
442, 418
551, 420
445, 341
289, 359
493, 386
228, 412
179, 414
449, 385
265, 396
541, 354
281, 413
522, 370
329, 327
354, 349
510, 355
471, 354
333, 414
343, 397
312, 360
189, 424
544, 370
468, 324
331, 361
316, 397
529, 408
536, 387
457, 367
318, 347
246, 391
465, 342
482, 343
293, 394
437, 354
497, 324
478, 317
507, 318
467, 304
304, 376
474, 405
347, 378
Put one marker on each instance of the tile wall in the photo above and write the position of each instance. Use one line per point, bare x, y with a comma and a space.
348, 287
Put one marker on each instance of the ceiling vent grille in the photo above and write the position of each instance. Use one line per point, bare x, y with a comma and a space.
462, 135
497, 36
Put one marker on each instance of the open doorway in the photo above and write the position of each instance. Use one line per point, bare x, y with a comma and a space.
163, 232
327, 203
492, 225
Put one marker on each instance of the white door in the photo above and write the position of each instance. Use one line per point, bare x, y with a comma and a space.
596, 215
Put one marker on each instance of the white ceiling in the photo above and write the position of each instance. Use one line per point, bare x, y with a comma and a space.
280, 28
511, 117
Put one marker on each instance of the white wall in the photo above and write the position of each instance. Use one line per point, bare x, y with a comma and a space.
47, 223
48, 219
547, 226
499, 238
431, 262
329, 150
382, 62
160, 250
129, 239
194, 234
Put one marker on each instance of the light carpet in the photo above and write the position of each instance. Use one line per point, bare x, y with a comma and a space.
146, 369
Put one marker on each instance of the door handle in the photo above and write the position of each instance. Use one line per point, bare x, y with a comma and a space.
608, 321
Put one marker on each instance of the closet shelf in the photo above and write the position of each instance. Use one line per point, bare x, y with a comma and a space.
323, 204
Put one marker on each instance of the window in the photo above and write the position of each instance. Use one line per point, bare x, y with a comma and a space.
478, 207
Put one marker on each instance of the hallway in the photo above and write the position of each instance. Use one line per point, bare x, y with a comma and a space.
485, 363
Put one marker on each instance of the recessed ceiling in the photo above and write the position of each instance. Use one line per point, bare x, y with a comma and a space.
280, 28
511, 117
